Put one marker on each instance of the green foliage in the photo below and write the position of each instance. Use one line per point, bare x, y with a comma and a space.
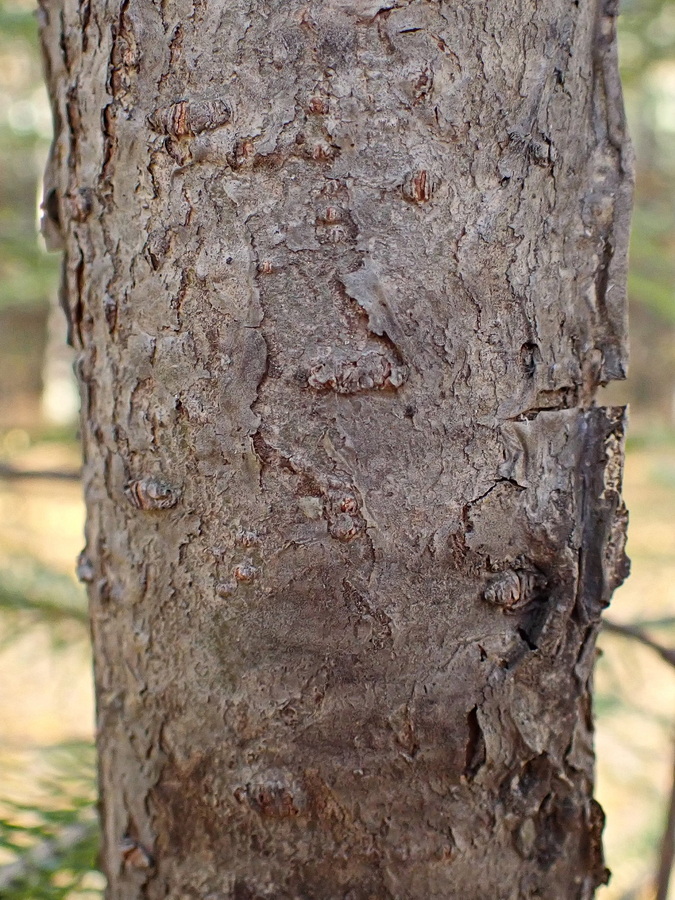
51, 845
646, 37
17, 20
48, 831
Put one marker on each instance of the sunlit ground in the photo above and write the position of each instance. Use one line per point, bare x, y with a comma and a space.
46, 698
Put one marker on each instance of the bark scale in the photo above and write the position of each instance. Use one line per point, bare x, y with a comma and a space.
344, 278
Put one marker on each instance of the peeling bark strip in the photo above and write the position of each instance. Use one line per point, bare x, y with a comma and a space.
344, 277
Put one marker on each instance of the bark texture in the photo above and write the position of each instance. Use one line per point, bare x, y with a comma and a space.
344, 277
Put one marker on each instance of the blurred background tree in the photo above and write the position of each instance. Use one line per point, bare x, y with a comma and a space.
47, 822
48, 833
34, 386
647, 54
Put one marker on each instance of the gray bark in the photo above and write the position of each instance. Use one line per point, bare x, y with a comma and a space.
344, 278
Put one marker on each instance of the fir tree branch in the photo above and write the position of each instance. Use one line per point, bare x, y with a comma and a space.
637, 634
12, 473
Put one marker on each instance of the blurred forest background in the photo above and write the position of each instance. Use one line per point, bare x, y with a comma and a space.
47, 772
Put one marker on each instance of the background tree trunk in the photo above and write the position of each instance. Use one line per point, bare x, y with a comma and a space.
344, 277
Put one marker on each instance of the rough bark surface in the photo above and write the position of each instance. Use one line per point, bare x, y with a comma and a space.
344, 277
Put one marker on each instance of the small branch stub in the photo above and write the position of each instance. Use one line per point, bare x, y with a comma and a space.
418, 187
343, 515
273, 796
366, 371
184, 119
151, 493
245, 573
323, 153
511, 590
84, 568
317, 106
247, 538
134, 855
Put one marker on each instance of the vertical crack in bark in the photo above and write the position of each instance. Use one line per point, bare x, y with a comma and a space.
475, 748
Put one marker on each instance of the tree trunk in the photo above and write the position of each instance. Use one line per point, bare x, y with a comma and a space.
344, 277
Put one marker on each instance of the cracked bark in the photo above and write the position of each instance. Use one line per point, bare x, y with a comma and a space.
344, 278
